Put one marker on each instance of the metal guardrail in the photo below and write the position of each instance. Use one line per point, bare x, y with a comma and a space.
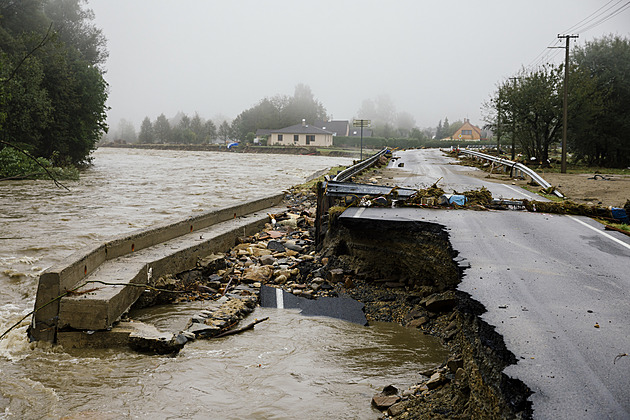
341, 189
515, 165
355, 169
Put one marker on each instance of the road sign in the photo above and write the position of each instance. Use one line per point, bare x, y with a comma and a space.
361, 123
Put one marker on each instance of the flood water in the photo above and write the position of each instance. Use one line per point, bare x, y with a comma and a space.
287, 367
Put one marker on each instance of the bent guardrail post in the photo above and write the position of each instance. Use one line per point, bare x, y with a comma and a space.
522, 168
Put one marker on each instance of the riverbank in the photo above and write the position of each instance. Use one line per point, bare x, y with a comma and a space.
245, 148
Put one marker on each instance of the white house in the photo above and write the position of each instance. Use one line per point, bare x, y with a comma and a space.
301, 135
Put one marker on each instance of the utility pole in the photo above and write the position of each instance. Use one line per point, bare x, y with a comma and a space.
514, 79
565, 113
499, 125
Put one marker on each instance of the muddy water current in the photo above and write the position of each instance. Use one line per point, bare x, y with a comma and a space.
290, 366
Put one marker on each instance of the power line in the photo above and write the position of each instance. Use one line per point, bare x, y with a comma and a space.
605, 18
541, 56
596, 13
599, 16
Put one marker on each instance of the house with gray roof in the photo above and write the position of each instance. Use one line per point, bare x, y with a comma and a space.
301, 135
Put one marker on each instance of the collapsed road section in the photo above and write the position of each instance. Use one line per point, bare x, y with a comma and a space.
406, 271
544, 283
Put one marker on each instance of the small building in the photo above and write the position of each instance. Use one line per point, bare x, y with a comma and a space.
301, 135
467, 132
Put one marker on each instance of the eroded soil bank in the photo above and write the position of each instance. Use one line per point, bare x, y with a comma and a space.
407, 272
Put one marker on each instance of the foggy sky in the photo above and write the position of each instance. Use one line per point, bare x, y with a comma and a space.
433, 58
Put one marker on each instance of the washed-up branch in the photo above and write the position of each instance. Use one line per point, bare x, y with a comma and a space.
240, 330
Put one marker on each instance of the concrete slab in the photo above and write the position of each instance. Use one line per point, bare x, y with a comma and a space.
344, 308
100, 305
76, 268
117, 337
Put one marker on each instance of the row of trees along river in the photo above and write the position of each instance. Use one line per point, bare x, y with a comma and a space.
528, 107
53, 93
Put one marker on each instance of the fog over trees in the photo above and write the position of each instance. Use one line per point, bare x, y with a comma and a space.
275, 112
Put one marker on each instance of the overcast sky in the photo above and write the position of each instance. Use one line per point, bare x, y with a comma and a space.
433, 58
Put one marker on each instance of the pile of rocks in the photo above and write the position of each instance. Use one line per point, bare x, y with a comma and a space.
435, 384
282, 256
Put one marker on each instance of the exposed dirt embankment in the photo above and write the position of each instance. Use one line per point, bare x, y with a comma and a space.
407, 272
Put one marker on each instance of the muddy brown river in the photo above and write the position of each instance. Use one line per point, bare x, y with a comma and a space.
291, 366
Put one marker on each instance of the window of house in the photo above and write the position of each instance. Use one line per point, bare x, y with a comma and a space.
310, 138
466, 132
296, 138
279, 137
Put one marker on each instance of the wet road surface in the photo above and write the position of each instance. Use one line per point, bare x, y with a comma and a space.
555, 287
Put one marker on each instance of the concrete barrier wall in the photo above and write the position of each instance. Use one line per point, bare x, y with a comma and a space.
145, 238
62, 277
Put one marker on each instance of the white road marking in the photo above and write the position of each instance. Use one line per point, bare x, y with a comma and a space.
600, 232
519, 191
279, 299
359, 212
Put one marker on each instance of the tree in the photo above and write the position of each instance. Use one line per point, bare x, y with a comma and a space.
278, 112
534, 104
265, 114
125, 131
146, 131
74, 28
418, 134
599, 121
381, 112
162, 129
52, 93
302, 105
439, 131
209, 131
405, 123
224, 131
196, 126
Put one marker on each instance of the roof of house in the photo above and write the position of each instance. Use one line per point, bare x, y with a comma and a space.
338, 127
301, 129
473, 127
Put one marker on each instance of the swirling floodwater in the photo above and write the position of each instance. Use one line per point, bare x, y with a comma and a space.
288, 367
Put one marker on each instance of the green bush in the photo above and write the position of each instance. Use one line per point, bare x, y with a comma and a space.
15, 164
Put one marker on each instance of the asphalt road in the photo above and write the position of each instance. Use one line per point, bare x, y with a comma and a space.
424, 167
557, 288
